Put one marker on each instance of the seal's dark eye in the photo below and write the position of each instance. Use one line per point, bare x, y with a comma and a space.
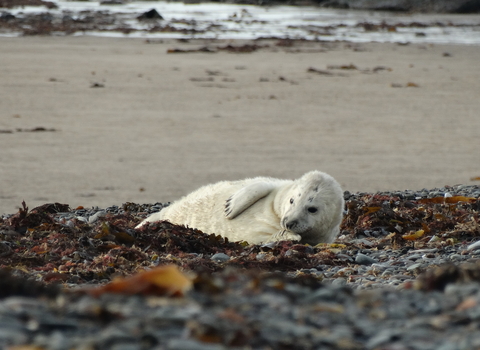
291, 200
312, 210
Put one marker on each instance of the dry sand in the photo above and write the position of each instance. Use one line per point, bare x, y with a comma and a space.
164, 124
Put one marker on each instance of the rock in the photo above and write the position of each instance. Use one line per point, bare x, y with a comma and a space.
339, 282
150, 15
414, 267
96, 216
474, 246
362, 259
6, 16
220, 257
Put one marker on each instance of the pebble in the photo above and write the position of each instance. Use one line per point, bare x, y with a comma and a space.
96, 216
474, 246
414, 267
362, 259
220, 257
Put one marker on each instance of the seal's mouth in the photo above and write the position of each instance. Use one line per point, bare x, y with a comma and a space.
295, 228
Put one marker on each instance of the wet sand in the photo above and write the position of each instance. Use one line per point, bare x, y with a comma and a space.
126, 121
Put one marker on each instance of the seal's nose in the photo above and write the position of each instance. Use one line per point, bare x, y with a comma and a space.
291, 224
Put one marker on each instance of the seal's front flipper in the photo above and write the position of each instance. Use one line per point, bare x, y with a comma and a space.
246, 197
285, 235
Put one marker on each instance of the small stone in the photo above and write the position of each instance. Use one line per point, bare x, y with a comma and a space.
379, 267
81, 218
220, 257
339, 282
414, 266
474, 246
456, 257
362, 259
365, 242
96, 216
344, 257
260, 256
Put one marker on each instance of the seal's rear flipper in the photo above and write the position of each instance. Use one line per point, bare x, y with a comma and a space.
246, 197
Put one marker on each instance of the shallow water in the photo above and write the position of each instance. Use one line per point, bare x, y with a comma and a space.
231, 21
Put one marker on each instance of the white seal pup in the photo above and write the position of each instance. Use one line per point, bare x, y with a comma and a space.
263, 209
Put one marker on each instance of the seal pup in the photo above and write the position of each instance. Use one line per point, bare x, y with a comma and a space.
262, 209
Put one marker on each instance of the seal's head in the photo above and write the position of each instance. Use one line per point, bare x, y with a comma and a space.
314, 208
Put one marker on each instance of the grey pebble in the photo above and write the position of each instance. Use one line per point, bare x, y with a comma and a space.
474, 246
339, 281
457, 257
81, 218
384, 336
220, 257
415, 266
99, 214
261, 256
363, 259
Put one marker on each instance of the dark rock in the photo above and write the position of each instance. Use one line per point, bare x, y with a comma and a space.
6, 16
150, 15
112, 2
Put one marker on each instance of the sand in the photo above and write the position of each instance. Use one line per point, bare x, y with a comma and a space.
160, 125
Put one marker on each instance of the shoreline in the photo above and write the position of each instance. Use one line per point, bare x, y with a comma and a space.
178, 20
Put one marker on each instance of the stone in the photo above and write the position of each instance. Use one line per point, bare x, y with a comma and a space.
363, 259
220, 257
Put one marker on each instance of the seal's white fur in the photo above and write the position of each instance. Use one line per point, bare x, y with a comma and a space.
263, 209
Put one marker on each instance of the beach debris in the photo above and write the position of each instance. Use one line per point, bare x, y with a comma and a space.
160, 281
22, 3
202, 79
246, 48
36, 129
320, 71
205, 49
350, 66
410, 84
447, 199
112, 2
381, 68
414, 236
